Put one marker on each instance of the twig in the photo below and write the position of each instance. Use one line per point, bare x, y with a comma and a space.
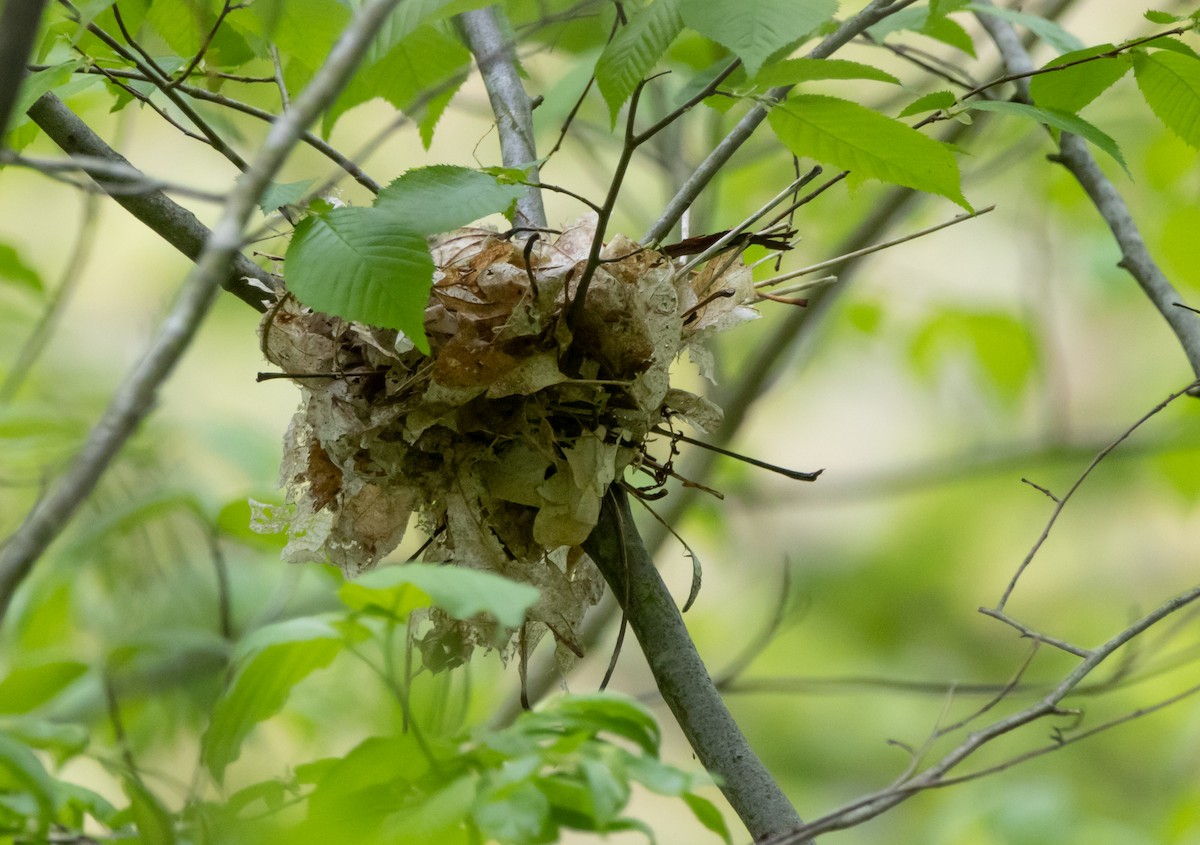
136, 396
178, 226
18, 29
1075, 157
226, 8
510, 104
875, 11
129, 180
1029, 633
1062, 503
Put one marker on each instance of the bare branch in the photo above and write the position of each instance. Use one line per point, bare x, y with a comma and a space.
18, 28
178, 226
137, 395
497, 62
1075, 157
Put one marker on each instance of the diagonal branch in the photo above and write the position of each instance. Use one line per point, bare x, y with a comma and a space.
136, 396
1075, 157
484, 31
178, 226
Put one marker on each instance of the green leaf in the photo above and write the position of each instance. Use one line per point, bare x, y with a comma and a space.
708, 815
867, 143
34, 86
1165, 18
155, 825
927, 22
362, 264
272, 660
462, 593
1002, 346
440, 198
27, 688
949, 32
303, 30
63, 740
181, 23
754, 29
930, 102
278, 195
1170, 82
21, 770
629, 57
795, 71
607, 713
14, 269
515, 813
1072, 123
1072, 88
607, 788
1048, 31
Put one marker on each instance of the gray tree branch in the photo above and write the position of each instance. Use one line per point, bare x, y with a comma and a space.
484, 31
18, 27
1075, 157
174, 223
136, 396
682, 678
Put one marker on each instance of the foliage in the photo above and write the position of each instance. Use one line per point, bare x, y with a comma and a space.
163, 648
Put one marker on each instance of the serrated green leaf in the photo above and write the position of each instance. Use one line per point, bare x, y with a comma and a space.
1064, 121
460, 592
1047, 30
15, 271
303, 30
1072, 88
271, 661
795, 71
362, 264
707, 814
930, 102
1166, 18
1170, 82
277, 195
27, 688
629, 57
869, 144
181, 23
754, 29
949, 32
443, 197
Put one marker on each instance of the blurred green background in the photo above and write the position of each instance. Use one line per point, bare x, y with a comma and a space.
946, 371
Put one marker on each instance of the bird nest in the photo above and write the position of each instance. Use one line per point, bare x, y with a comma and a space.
503, 441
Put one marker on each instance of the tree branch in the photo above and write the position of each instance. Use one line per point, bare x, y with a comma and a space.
1075, 157
619, 552
875, 11
484, 31
174, 223
136, 396
18, 27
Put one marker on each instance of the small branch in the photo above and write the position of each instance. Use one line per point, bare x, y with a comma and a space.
1075, 157
1029, 633
118, 177
226, 8
875, 11
617, 549
497, 62
138, 394
1062, 503
178, 226
18, 27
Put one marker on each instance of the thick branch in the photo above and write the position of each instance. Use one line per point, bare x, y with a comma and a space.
136, 396
174, 223
1075, 156
875, 11
497, 62
18, 27
682, 679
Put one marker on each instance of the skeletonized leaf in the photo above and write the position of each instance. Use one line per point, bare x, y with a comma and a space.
362, 264
867, 143
1065, 121
1170, 82
635, 50
1073, 88
436, 199
754, 29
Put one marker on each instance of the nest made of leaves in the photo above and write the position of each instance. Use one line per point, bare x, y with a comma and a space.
505, 438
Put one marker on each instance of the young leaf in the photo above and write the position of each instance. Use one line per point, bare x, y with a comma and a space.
1072, 88
362, 264
708, 815
754, 29
1170, 82
272, 661
594, 714
635, 50
866, 143
442, 197
460, 592
14, 270
27, 688
39, 83
1164, 18
795, 71
930, 102
1047, 30
278, 195
1072, 123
